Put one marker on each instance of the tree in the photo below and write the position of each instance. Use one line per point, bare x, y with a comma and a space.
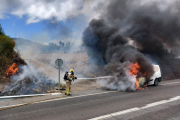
1, 31
68, 44
61, 44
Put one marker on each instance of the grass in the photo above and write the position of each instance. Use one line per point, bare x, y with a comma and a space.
63, 86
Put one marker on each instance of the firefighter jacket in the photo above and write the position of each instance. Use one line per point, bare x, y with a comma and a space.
69, 77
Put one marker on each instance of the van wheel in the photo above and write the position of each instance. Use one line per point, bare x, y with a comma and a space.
156, 82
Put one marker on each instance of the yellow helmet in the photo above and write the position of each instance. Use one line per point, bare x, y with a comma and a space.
71, 70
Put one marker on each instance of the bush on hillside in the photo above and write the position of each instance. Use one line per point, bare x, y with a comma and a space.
6, 52
6, 45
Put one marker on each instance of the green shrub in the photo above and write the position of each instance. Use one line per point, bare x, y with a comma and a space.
6, 46
6, 50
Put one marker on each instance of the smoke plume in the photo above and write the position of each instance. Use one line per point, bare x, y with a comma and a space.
130, 30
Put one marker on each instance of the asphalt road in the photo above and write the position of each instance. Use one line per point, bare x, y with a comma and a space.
92, 106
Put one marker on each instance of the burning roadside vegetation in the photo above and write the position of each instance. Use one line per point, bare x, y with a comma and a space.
24, 79
16, 76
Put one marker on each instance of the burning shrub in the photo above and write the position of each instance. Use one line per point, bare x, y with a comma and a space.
12, 70
22, 78
28, 81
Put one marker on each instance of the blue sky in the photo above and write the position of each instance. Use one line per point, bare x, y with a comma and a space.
15, 26
45, 21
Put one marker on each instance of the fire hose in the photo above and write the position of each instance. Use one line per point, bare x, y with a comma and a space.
95, 78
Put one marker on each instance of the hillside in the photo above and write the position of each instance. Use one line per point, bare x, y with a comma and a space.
23, 45
24, 42
7, 54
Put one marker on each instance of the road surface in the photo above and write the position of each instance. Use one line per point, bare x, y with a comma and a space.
154, 103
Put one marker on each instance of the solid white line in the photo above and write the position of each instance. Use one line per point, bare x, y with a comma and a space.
76, 96
30, 95
59, 99
55, 93
10, 106
17, 96
136, 108
169, 83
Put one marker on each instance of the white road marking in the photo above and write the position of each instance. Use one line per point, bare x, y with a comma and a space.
10, 106
58, 99
55, 93
76, 96
115, 114
136, 108
169, 83
30, 95
17, 96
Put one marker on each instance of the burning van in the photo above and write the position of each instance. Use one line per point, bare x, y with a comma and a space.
153, 80
156, 78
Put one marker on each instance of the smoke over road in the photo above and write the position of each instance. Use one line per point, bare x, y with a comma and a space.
130, 31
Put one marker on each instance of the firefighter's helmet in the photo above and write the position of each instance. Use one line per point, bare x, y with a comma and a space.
71, 70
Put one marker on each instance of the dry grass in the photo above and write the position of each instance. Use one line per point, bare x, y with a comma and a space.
77, 61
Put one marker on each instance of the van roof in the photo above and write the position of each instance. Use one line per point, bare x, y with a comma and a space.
156, 68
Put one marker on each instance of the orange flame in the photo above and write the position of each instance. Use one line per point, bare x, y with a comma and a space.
13, 69
135, 68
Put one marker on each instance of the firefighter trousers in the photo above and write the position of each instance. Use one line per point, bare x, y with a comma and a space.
68, 87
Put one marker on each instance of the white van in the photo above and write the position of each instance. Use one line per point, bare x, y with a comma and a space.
156, 78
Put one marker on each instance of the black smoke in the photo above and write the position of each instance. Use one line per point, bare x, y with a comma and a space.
130, 30
109, 48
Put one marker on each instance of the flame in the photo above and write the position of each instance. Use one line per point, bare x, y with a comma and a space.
134, 71
13, 69
135, 68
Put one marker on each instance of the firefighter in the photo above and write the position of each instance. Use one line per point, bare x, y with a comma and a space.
69, 77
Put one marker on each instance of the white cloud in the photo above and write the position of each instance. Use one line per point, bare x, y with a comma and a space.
37, 10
